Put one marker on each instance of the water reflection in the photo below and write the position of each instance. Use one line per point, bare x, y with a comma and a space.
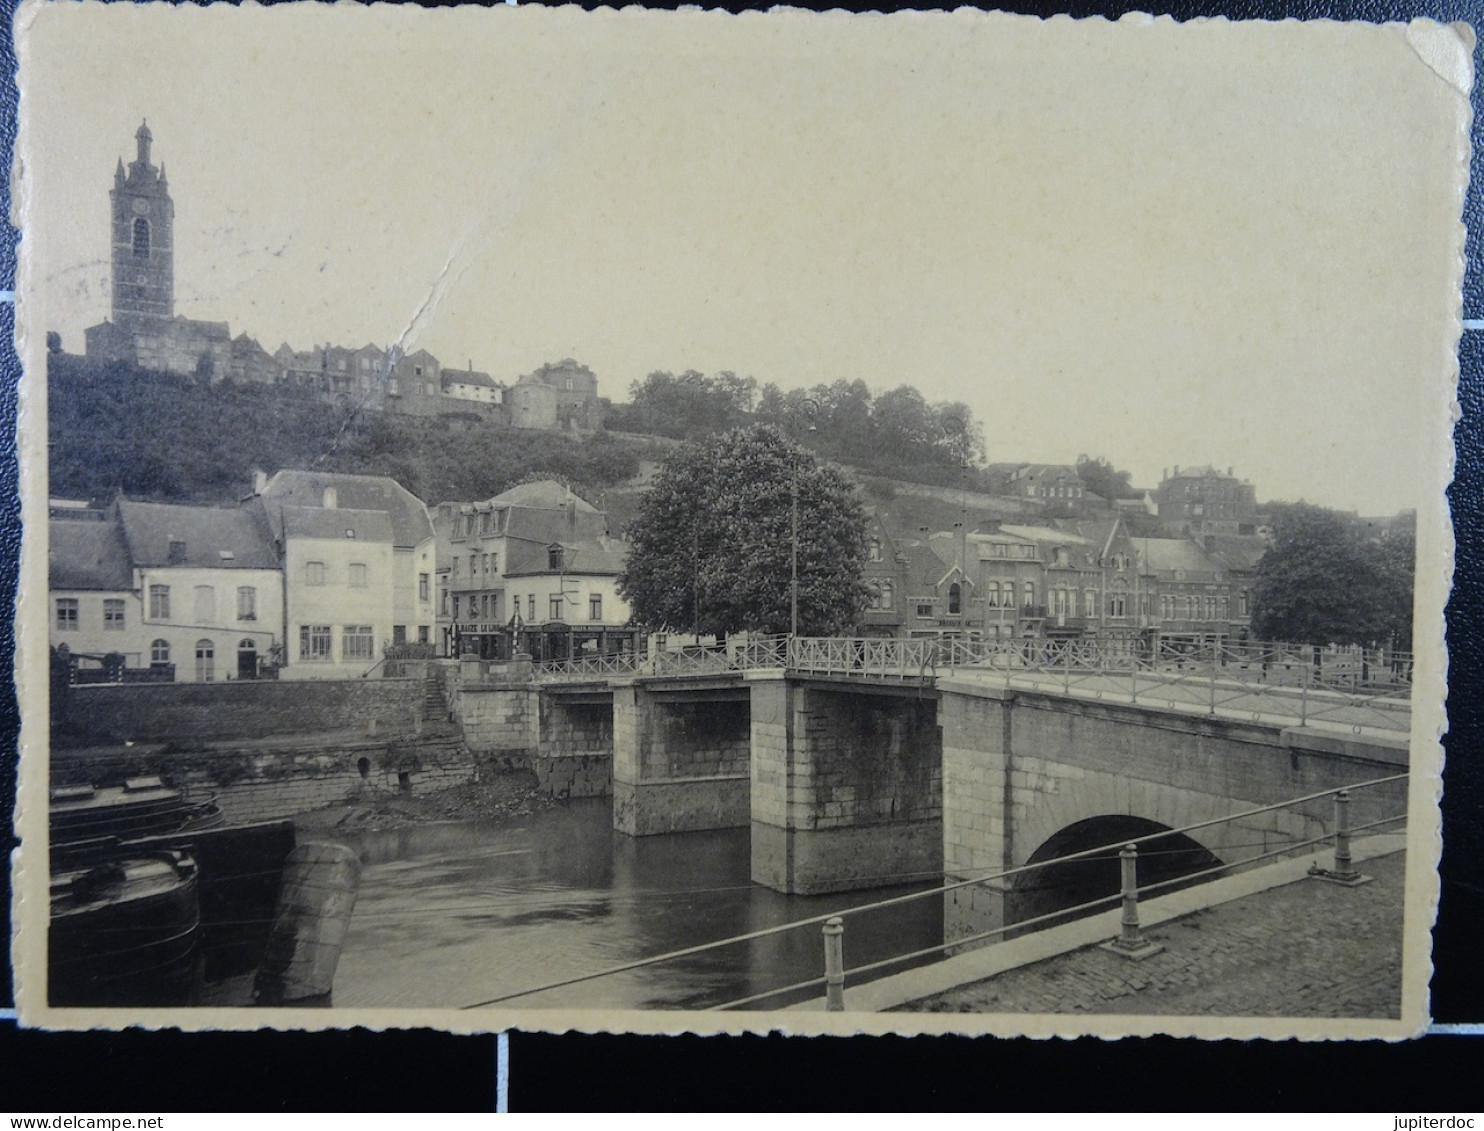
457, 913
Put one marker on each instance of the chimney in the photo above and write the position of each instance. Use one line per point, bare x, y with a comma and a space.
331, 498
259, 480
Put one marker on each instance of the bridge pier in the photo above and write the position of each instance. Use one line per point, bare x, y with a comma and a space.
574, 751
846, 784
680, 757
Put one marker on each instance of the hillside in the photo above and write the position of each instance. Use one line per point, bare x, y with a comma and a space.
159, 437
164, 438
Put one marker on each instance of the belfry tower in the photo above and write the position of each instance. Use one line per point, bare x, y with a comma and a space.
143, 242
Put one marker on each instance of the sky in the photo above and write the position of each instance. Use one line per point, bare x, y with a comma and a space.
1162, 244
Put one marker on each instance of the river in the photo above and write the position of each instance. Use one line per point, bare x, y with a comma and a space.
455, 914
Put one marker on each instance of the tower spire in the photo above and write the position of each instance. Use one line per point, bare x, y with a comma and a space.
143, 137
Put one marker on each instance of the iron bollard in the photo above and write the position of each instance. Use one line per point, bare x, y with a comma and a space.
1129, 861
834, 965
1130, 943
1344, 866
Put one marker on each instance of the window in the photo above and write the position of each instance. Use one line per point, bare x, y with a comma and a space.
455, 606
357, 575
455, 567
141, 238
1090, 603
113, 614
1029, 597
159, 652
399, 634
886, 595
423, 591
314, 642
494, 566
484, 606
875, 554
955, 599
554, 558
473, 565
925, 611
422, 634
204, 604
247, 602
1117, 605
595, 606
314, 573
205, 661
357, 642
531, 607
66, 614
1242, 603
159, 602
484, 564
554, 607
443, 601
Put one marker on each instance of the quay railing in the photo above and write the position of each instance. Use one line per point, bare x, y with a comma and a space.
1337, 829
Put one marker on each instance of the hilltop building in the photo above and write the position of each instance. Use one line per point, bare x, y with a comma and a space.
1201, 500
143, 330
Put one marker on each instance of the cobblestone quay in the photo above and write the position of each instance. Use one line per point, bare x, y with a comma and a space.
1307, 949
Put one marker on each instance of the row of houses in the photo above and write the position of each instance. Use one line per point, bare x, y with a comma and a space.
1064, 579
313, 576
319, 575
324, 576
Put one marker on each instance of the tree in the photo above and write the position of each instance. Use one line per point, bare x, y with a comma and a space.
711, 545
1100, 477
1328, 580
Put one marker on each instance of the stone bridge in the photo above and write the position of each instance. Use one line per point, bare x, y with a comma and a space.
865, 763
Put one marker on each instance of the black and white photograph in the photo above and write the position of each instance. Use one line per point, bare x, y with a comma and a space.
644, 521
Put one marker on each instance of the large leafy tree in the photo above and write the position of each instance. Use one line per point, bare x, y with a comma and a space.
1328, 579
710, 547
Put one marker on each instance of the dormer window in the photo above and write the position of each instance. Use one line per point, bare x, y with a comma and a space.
554, 557
177, 552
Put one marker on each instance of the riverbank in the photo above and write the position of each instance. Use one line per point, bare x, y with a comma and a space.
494, 796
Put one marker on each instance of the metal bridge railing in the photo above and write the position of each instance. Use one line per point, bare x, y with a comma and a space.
1359, 689
1337, 831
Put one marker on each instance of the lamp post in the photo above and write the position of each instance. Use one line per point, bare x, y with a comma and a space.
954, 428
812, 406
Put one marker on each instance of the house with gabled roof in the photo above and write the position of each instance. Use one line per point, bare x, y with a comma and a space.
191, 593
533, 567
357, 560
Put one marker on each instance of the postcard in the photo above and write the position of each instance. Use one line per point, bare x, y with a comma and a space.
662, 521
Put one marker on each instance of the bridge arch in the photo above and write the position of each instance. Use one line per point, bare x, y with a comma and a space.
1057, 887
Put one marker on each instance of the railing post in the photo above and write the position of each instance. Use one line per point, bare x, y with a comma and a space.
1213, 684
1130, 941
834, 965
1344, 871
1344, 866
1304, 696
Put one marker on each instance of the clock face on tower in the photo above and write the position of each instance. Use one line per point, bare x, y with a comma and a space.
141, 207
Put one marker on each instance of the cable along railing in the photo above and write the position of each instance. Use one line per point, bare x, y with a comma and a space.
1337, 830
